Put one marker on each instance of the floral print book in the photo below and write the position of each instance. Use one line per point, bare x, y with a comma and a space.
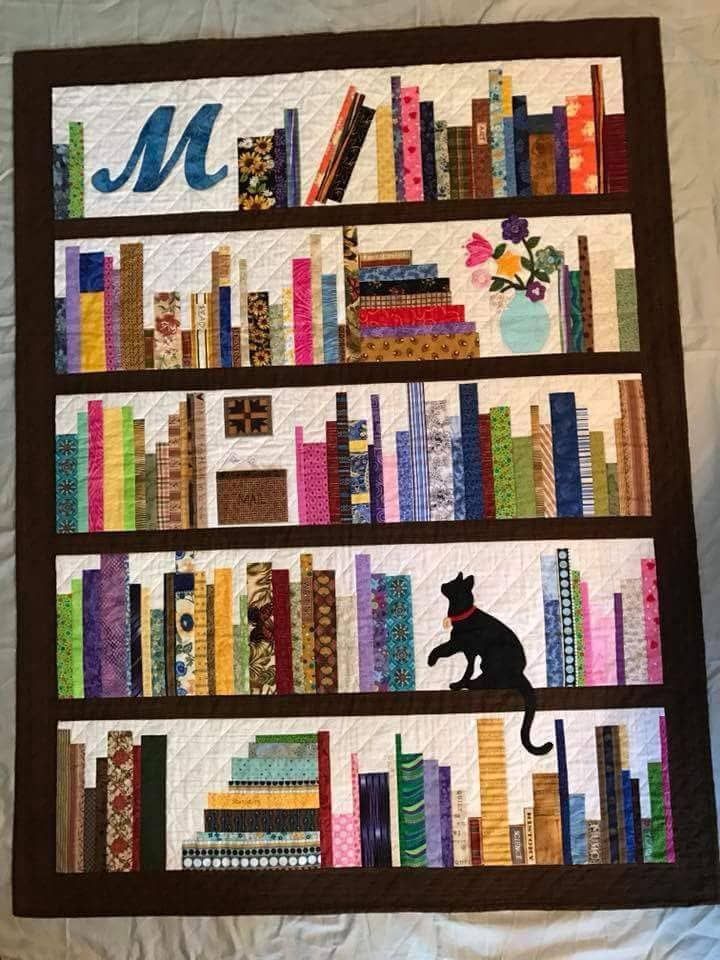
355, 555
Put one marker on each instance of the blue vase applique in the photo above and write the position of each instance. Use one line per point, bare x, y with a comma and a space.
524, 324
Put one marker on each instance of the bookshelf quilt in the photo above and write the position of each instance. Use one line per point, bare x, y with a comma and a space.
354, 526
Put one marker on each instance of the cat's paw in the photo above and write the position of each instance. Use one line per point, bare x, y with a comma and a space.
457, 684
432, 658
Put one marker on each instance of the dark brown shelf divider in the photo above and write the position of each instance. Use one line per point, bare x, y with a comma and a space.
218, 378
365, 534
336, 215
359, 704
216, 892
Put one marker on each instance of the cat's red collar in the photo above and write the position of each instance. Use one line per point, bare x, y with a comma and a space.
457, 617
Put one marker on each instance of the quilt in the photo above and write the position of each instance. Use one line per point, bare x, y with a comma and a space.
355, 540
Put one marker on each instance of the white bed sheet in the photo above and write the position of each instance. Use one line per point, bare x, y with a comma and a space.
691, 48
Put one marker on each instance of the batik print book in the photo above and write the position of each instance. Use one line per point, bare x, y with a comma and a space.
356, 568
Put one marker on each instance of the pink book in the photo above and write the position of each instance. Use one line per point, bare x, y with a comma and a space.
392, 505
110, 358
95, 465
651, 616
300, 474
302, 310
412, 157
589, 649
317, 505
604, 643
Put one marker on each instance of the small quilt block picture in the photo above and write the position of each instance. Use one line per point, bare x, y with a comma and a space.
248, 416
252, 496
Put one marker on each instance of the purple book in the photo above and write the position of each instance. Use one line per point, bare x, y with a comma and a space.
418, 330
92, 665
363, 599
433, 825
446, 836
114, 571
377, 486
619, 640
562, 155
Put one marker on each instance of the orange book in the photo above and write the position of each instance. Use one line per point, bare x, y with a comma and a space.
581, 144
331, 147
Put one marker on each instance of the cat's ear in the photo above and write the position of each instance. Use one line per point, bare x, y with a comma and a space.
469, 582
459, 577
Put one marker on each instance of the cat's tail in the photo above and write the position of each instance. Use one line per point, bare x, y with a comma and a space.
528, 693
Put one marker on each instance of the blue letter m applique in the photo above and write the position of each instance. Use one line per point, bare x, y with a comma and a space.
152, 144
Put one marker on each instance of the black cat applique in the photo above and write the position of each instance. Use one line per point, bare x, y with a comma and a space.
477, 634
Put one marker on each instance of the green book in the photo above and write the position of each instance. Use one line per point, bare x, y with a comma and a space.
626, 300
578, 628
241, 648
657, 812
503, 469
78, 673
599, 473
64, 654
76, 171
82, 472
153, 780
277, 335
612, 485
411, 807
128, 454
522, 455
157, 652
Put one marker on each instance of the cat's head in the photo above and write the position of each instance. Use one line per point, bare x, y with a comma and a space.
459, 591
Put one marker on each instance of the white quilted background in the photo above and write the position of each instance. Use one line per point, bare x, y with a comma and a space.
182, 262
114, 115
199, 754
691, 55
507, 585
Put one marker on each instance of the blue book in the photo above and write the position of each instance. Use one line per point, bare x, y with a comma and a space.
470, 431
410, 271
510, 175
292, 157
566, 456
522, 147
418, 451
225, 326
629, 820
578, 828
329, 318
375, 849
404, 472
92, 272
563, 790
551, 610
458, 468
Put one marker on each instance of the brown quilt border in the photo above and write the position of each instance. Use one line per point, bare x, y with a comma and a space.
37, 889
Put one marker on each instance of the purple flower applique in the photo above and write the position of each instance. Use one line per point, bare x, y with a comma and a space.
515, 229
535, 291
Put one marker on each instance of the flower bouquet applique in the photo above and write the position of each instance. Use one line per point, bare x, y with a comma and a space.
520, 273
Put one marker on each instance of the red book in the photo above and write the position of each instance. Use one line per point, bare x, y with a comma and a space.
136, 808
480, 149
281, 631
411, 316
333, 471
325, 797
486, 465
186, 340
615, 154
475, 831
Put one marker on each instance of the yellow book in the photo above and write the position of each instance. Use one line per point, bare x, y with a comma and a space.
224, 674
492, 768
265, 800
113, 475
92, 331
385, 154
